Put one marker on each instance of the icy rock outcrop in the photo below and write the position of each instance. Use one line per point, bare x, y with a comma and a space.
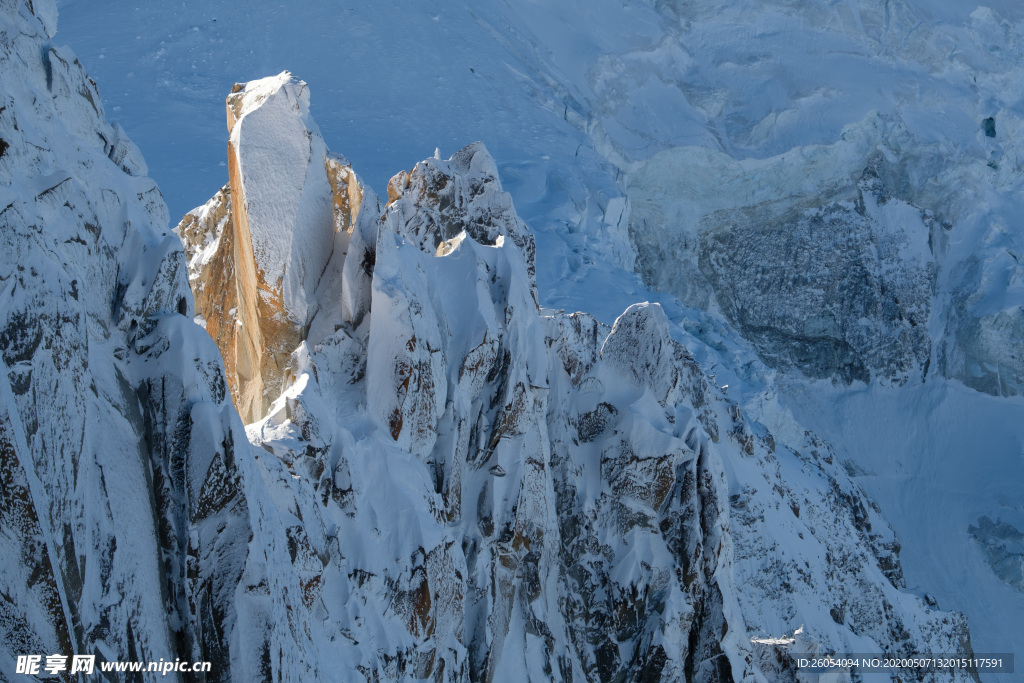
483, 490
985, 327
832, 276
1003, 545
828, 289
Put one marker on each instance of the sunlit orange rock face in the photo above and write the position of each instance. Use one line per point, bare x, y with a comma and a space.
259, 247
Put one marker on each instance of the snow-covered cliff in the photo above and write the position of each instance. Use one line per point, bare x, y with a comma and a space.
125, 525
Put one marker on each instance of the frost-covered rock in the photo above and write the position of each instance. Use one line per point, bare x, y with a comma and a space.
835, 289
1004, 548
833, 275
985, 327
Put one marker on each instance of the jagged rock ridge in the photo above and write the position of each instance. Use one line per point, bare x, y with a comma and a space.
484, 490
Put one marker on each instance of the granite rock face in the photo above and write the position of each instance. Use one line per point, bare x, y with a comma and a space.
265, 239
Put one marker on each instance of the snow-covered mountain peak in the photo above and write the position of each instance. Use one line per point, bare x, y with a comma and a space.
246, 98
440, 480
574, 500
277, 172
676, 129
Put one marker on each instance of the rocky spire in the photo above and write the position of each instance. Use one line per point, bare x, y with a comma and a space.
260, 246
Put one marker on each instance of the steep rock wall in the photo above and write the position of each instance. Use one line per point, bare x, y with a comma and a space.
261, 245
